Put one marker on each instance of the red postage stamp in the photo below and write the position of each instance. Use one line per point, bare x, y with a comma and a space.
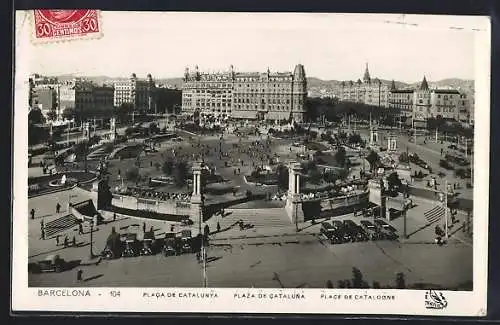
66, 24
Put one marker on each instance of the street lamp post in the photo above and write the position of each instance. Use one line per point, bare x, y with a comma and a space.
446, 208
91, 255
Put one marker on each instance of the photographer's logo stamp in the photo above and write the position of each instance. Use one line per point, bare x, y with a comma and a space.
55, 25
435, 300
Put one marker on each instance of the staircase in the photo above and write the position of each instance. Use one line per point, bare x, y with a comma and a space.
434, 214
259, 218
97, 154
60, 224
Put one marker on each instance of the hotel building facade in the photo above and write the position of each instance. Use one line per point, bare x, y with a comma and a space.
137, 92
369, 91
246, 95
424, 102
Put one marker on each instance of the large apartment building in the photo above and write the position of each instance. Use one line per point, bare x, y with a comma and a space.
246, 95
424, 102
137, 92
369, 91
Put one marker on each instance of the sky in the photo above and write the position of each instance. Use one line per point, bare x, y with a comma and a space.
330, 46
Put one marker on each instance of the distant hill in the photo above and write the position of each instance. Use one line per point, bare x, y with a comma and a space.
312, 82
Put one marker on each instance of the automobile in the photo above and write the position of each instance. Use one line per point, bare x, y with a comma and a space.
370, 229
187, 222
132, 246
394, 213
177, 139
446, 164
388, 234
327, 230
452, 147
52, 263
186, 241
337, 224
169, 245
148, 245
384, 225
351, 230
361, 234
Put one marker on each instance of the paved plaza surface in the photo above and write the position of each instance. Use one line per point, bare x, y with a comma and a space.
251, 257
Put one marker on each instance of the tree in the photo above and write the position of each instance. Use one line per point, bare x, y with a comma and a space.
51, 115
282, 176
340, 156
108, 147
354, 138
315, 176
168, 167
393, 182
37, 134
403, 158
123, 112
180, 173
132, 174
129, 131
81, 150
329, 284
35, 116
373, 159
400, 281
68, 113
153, 128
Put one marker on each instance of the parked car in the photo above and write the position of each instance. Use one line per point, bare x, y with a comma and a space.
52, 263
147, 246
327, 230
382, 225
186, 241
132, 246
370, 229
169, 245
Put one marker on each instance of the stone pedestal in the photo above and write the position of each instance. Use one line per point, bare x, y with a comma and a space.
196, 198
112, 128
373, 136
392, 143
196, 211
293, 202
294, 210
86, 131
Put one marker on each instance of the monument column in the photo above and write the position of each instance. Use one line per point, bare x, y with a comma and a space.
373, 136
112, 128
196, 197
293, 202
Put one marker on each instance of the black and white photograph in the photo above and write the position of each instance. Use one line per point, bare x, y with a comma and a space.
295, 153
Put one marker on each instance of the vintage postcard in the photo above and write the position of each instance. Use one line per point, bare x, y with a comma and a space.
250, 163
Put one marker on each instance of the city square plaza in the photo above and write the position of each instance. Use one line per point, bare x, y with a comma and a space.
275, 244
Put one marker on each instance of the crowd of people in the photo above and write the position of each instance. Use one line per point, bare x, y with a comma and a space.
162, 196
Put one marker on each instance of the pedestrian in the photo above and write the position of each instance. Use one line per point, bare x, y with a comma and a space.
114, 216
171, 228
58, 207
73, 242
79, 275
80, 229
144, 227
57, 240
218, 226
32, 212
